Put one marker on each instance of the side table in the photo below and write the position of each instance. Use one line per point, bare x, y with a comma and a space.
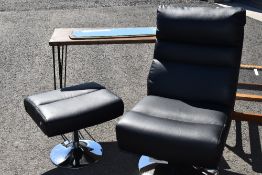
60, 40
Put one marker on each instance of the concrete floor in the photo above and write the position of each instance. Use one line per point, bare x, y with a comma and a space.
26, 68
251, 11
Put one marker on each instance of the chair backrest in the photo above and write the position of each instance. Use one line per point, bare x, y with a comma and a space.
197, 54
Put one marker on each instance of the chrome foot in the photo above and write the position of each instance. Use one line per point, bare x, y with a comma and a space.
68, 155
147, 165
151, 166
210, 172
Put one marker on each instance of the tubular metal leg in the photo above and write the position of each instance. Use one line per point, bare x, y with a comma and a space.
62, 64
65, 65
76, 153
53, 52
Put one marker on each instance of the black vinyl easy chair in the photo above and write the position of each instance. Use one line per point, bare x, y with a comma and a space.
185, 117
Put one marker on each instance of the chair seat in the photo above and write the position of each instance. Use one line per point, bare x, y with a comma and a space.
73, 108
173, 130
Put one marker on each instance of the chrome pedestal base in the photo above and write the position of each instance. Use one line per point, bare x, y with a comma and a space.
148, 165
76, 154
151, 166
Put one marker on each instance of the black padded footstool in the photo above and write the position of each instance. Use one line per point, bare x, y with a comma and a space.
68, 110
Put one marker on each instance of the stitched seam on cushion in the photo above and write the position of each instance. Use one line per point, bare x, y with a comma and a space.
67, 98
178, 120
37, 109
220, 135
221, 132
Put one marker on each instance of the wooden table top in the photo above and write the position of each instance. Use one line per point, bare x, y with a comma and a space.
61, 37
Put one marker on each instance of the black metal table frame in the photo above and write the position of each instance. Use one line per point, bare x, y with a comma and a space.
62, 64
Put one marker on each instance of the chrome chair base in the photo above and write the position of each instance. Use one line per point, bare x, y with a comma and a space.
151, 166
148, 164
72, 154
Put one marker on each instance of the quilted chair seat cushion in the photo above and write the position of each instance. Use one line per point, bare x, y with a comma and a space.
173, 130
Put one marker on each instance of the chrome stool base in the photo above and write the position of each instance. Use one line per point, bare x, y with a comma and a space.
148, 164
76, 154
151, 166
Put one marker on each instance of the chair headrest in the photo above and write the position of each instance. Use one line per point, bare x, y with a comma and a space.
201, 25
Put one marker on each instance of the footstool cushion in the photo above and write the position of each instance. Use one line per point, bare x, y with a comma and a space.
72, 108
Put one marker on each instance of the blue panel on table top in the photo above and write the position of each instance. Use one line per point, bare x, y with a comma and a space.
114, 32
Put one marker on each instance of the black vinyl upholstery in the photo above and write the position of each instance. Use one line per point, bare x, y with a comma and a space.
200, 48
73, 108
191, 87
174, 130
